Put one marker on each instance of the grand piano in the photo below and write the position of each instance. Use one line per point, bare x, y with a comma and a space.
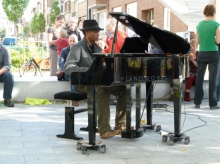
134, 65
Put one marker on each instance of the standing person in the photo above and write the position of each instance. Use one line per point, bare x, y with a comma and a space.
79, 27
72, 28
207, 35
218, 78
62, 42
191, 80
121, 35
6, 76
80, 59
53, 33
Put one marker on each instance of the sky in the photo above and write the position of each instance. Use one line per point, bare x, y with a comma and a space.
27, 14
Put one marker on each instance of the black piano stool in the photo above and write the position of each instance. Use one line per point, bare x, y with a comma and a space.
70, 111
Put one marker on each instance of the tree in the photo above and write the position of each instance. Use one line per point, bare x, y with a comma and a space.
34, 24
55, 10
2, 32
26, 30
41, 23
14, 10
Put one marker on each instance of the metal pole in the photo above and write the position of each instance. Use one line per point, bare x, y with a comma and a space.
87, 7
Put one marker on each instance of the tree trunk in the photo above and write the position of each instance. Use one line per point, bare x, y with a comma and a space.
16, 32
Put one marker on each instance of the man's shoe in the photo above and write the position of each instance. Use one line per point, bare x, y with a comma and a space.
197, 106
120, 129
109, 134
8, 103
214, 107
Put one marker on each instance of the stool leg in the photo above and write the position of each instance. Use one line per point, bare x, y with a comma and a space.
86, 129
69, 132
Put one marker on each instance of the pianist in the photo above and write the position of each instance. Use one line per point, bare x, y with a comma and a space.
79, 60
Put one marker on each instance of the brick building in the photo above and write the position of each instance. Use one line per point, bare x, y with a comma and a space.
151, 11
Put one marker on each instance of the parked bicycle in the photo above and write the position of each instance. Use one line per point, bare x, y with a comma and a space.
30, 68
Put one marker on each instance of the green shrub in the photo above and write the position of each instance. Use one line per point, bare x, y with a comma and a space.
16, 59
26, 51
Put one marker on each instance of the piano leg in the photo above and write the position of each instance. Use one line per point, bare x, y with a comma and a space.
176, 136
130, 132
149, 106
92, 123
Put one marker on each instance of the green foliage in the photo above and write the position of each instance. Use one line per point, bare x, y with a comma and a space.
26, 30
3, 32
38, 24
41, 23
14, 9
26, 51
55, 10
16, 58
34, 24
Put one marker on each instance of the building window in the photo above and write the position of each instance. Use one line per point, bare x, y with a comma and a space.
102, 20
67, 6
49, 3
150, 16
61, 8
81, 1
74, 14
131, 10
10, 29
166, 19
117, 9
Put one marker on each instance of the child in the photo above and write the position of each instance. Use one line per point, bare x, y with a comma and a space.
191, 80
62, 42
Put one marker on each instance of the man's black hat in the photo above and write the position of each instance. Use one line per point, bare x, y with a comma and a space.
91, 25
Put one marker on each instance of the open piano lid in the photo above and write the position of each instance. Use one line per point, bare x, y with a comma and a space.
165, 40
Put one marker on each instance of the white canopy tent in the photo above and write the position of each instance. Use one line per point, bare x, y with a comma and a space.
189, 11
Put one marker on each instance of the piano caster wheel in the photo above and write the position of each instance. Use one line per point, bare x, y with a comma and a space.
170, 142
84, 150
164, 138
186, 141
157, 128
103, 149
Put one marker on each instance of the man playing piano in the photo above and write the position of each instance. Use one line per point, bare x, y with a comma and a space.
79, 60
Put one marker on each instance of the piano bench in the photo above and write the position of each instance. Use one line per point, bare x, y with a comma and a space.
70, 111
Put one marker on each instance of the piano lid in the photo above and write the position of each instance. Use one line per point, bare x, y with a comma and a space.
165, 40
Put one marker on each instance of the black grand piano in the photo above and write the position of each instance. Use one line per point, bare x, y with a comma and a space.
133, 65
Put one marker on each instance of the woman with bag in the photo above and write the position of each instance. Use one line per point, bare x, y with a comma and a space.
53, 33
